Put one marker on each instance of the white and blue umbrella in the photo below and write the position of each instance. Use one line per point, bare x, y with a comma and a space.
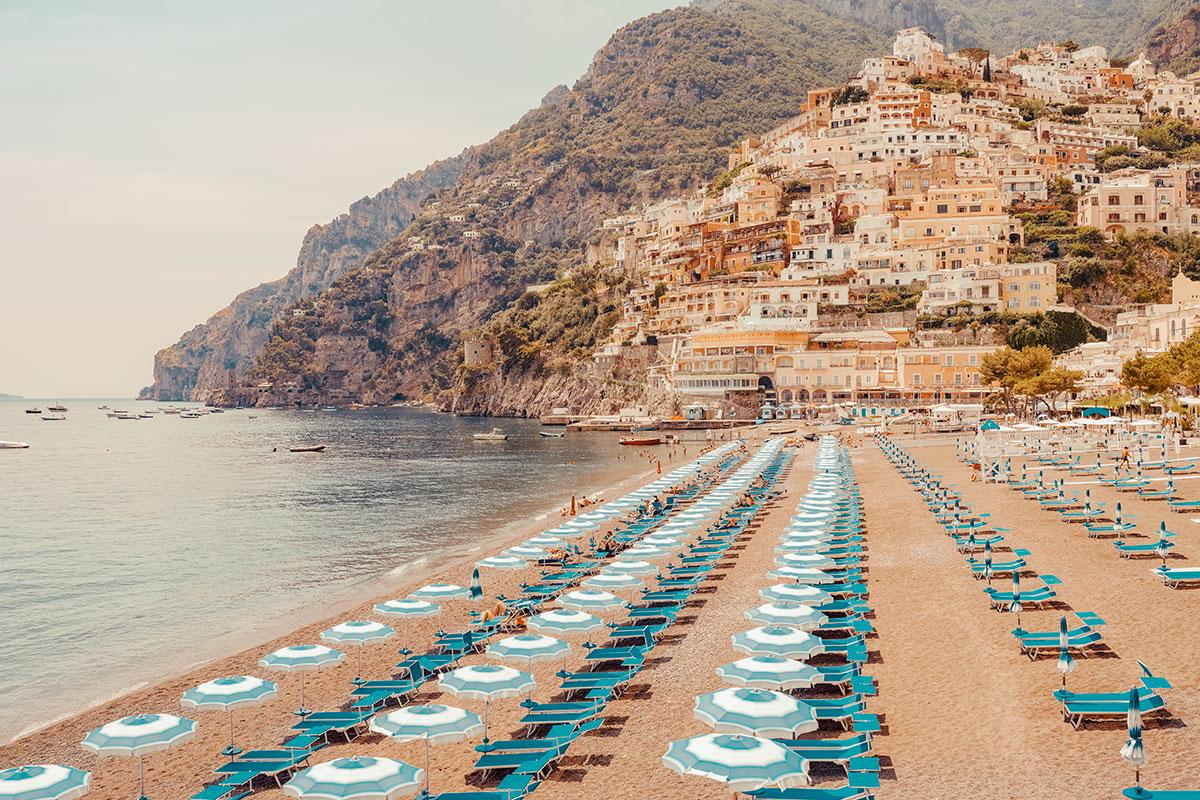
544, 540
643, 552
355, 778
405, 608
432, 723
562, 620
358, 633
1066, 662
795, 593
441, 591
608, 581
761, 712
529, 647
226, 694
1014, 606
797, 615
632, 567
987, 560
1133, 751
44, 782
476, 586
778, 640
139, 735
527, 551
302, 658
486, 682
742, 763
592, 599
806, 575
770, 672
503, 562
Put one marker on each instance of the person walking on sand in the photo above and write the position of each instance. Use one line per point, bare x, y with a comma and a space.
1125, 457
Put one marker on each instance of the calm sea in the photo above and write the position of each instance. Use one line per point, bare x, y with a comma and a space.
132, 549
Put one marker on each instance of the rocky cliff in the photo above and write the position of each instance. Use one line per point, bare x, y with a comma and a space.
1176, 44
217, 352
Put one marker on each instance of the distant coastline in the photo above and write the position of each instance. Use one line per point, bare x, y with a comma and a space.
4, 396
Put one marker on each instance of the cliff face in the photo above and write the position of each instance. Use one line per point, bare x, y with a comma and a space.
1176, 44
215, 353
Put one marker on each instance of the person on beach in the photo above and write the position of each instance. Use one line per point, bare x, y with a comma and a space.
976, 471
1125, 457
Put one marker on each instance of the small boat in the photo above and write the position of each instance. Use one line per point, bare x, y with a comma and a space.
551, 434
308, 448
102, 408
145, 415
170, 410
126, 415
57, 408
497, 435
330, 408
33, 411
641, 441
54, 417
215, 410
190, 415
13, 445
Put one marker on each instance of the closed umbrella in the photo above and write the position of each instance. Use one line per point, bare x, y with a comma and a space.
432, 723
358, 633
302, 658
1133, 752
761, 712
1066, 662
742, 763
1014, 606
226, 694
44, 782
139, 735
355, 778
987, 560
476, 588
405, 608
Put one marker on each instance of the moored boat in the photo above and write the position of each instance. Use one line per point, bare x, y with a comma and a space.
641, 441
57, 407
308, 448
33, 411
497, 435
14, 445
551, 434
54, 417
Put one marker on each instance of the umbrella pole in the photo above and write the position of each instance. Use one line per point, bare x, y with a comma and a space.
404, 651
232, 749
358, 680
301, 711
141, 778
427, 765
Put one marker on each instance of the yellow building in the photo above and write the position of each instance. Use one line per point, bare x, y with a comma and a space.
949, 213
1029, 287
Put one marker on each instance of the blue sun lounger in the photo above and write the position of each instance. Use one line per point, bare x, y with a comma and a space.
1079, 639
513, 787
1179, 470
830, 751
1177, 577
813, 793
1149, 549
1078, 712
1184, 506
1033, 596
998, 567
1142, 793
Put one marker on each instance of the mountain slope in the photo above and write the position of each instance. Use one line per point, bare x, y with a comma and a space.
1175, 45
211, 354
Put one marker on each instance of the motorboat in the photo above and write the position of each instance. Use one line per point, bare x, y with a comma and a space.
57, 408
641, 441
552, 434
126, 415
102, 408
14, 445
497, 435
54, 417
33, 411
308, 448
190, 415
145, 415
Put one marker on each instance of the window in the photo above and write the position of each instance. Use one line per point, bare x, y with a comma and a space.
1114, 200
1138, 200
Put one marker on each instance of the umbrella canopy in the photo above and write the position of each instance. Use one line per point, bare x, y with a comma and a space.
140, 734
527, 551
44, 782
608, 580
235, 691
743, 763
503, 562
643, 552
631, 567
795, 593
590, 598
441, 591
434, 722
408, 607
778, 640
796, 615
808, 575
485, 682
302, 658
544, 540
358, 632
356, 778
561, 620
770, 672
528, 647
761, 712
814, 560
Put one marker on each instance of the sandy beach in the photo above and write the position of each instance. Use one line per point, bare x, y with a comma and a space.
963, 712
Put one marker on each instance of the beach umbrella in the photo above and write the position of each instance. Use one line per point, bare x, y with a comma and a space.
805, 575
486, 682
770, 672
503, 562
1066, 662
814, 560
610, 581
742, 763
476, 588
139, 735
1133, 752
1164, 545
590, 599
226, 694
622, 567
527, 551
797, 615
544, 540
441, 591
358, 633
760, 712
987, 560
778, 640
530, 647
355, 778
302, 658
643, 553
1014, 606
432, 723
795, 593
405, 608
44, 782
562, 620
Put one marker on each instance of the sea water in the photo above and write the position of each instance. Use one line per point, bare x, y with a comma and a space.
133, 549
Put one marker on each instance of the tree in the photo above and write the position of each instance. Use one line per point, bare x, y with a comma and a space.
1050, 385
1146, 374
1009, 369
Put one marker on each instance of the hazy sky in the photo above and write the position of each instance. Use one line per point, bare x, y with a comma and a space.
156, 158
